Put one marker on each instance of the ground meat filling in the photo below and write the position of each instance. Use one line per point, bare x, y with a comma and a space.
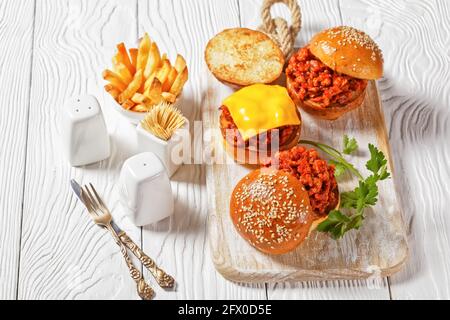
262, 141
314, 81
314, 173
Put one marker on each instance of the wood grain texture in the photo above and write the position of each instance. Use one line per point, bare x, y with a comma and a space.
180, 244
16, 38
316, 16
63, 254
415, 40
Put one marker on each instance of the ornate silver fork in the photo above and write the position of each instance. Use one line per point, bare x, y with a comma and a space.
102, 217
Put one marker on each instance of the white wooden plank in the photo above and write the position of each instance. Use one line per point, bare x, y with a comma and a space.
16, 38
316, 16
64, 255
180, 244
415, 39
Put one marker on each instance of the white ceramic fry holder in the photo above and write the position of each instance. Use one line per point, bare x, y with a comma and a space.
173, 152
145, 189
84, 133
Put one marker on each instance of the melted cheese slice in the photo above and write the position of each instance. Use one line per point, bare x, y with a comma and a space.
260, 107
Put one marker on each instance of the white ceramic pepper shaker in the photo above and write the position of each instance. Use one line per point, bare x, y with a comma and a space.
146, 193
84, 133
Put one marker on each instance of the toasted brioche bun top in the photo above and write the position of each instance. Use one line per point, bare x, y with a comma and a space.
243, 56
270, 209
349, 51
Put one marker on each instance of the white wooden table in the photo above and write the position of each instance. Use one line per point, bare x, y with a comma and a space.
50, 50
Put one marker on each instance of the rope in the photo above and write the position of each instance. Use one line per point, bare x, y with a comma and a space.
278, 28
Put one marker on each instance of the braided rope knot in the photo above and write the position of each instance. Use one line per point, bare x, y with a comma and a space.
278, 28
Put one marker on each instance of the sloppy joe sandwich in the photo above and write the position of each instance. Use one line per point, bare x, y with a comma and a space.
257, 121
277, 206
328, 77
242, 57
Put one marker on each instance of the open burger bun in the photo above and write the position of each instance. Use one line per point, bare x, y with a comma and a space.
243, 57
331, 112
270, 209
349, 51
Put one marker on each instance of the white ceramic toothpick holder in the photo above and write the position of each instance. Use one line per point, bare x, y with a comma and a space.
173, 152
84, 133
145, 189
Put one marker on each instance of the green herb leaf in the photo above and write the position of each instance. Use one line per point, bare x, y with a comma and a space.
355, 222
337, 216
335, 223
363, 196
349, 199
339, 168
367, 193
350, 145
384, 174
377, 160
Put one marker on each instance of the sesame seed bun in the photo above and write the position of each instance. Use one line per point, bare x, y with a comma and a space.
242, 57
349, 51
270, 209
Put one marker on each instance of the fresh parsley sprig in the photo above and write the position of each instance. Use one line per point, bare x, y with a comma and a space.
350, 145
363, 196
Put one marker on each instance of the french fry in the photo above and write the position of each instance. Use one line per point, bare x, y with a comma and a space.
153, 61
114, 79
143, 51
139, 98
163, 72
179, 82
180, 63
170, 79
168, 97
140, 108
121, 70
124, 58
142, 77
133, 57
112, 91
128, 104
149, 81
132, 87
108, 87
154, 91
163, 57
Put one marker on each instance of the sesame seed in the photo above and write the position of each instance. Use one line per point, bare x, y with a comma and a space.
356, 38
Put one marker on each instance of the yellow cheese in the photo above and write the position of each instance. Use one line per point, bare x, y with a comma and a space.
260, 107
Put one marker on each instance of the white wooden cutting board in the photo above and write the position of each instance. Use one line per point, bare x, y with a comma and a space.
378, 248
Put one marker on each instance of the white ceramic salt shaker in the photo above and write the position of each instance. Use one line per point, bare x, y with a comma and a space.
172, 152
145, 189
84, 133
